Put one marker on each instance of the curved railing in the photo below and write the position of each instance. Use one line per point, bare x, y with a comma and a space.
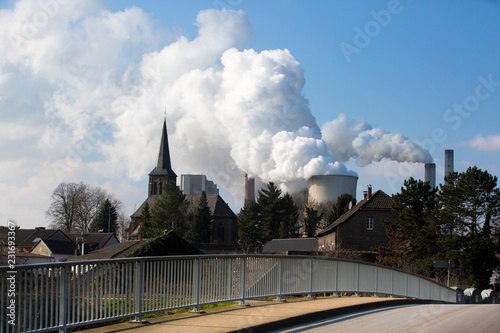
39, 298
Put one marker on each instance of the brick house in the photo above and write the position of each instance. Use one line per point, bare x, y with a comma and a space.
360, 228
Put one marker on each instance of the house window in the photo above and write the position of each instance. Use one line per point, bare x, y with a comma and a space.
369, 223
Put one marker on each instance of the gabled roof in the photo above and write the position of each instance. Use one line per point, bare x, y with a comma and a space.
379, 201
163, 164
218, 207
26, 237
120, 250
309, 244
94, 240
58, 247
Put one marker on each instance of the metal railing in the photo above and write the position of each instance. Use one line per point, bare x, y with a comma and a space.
58, 296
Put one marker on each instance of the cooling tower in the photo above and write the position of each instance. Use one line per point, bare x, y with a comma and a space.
330, 187
448, 162
430, 174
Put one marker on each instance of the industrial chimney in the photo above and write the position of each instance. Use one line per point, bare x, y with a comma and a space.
249, 190
448, 162
430, 174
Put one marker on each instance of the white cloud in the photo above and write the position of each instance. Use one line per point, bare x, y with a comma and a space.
94, 85
486, 143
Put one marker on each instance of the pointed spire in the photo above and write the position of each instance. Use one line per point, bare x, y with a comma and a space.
163, 164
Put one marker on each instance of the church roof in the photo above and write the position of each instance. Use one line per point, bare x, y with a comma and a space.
163, 164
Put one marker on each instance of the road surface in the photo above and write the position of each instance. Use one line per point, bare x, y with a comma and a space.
454, 318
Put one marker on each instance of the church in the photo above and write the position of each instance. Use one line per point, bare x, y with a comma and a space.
223, 218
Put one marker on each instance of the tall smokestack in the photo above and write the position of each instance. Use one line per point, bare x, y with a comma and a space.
249, 190
430, 174
448, 162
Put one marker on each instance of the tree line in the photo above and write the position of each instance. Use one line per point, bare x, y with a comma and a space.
457, 222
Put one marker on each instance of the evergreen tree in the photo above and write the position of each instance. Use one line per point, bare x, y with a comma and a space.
202, 218
270, 211
148, 229
478, 259
469, 199
312, 219
106, 219
289, 227
413, 233
250, 230
170, 210
340, 207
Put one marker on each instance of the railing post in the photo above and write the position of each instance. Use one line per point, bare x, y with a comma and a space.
243, 270
63, 299
336, 293
138, 290
280, 282
310, 278
357, 275
196, 286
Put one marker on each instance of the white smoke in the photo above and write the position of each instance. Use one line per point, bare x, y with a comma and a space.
347, 138
230, 111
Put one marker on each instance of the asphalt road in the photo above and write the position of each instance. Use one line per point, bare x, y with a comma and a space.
454, 318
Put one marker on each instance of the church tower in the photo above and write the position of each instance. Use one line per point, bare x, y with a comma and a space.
163, 172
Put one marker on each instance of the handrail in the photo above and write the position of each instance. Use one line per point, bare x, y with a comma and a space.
58, 296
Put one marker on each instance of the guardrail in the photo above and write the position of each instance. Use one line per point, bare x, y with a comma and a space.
58, 296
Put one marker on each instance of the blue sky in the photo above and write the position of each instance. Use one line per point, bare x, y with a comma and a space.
83, 86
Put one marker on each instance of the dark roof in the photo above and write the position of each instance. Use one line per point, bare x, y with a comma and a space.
26, 237
309, 244
163, 165
169, 244
94, 240
378, 201
59, 247
150, 200
218, 207
120, 250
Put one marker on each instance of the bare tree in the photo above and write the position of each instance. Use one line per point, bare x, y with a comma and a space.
90, 201
63, 210
75, 206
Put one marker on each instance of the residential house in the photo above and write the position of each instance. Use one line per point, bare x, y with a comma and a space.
360, 228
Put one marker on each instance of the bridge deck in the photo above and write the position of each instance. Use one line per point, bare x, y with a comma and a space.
260, 315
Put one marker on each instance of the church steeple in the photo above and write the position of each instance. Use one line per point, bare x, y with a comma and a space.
163, 172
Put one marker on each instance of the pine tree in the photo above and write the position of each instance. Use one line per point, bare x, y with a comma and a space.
312, 219
289, 227
170, 210
340, 207
270, 211
202, 218
105, 219
250, 230
148, 229
413, 234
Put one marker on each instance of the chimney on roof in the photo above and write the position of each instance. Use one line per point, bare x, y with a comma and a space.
369, 194
365, 195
